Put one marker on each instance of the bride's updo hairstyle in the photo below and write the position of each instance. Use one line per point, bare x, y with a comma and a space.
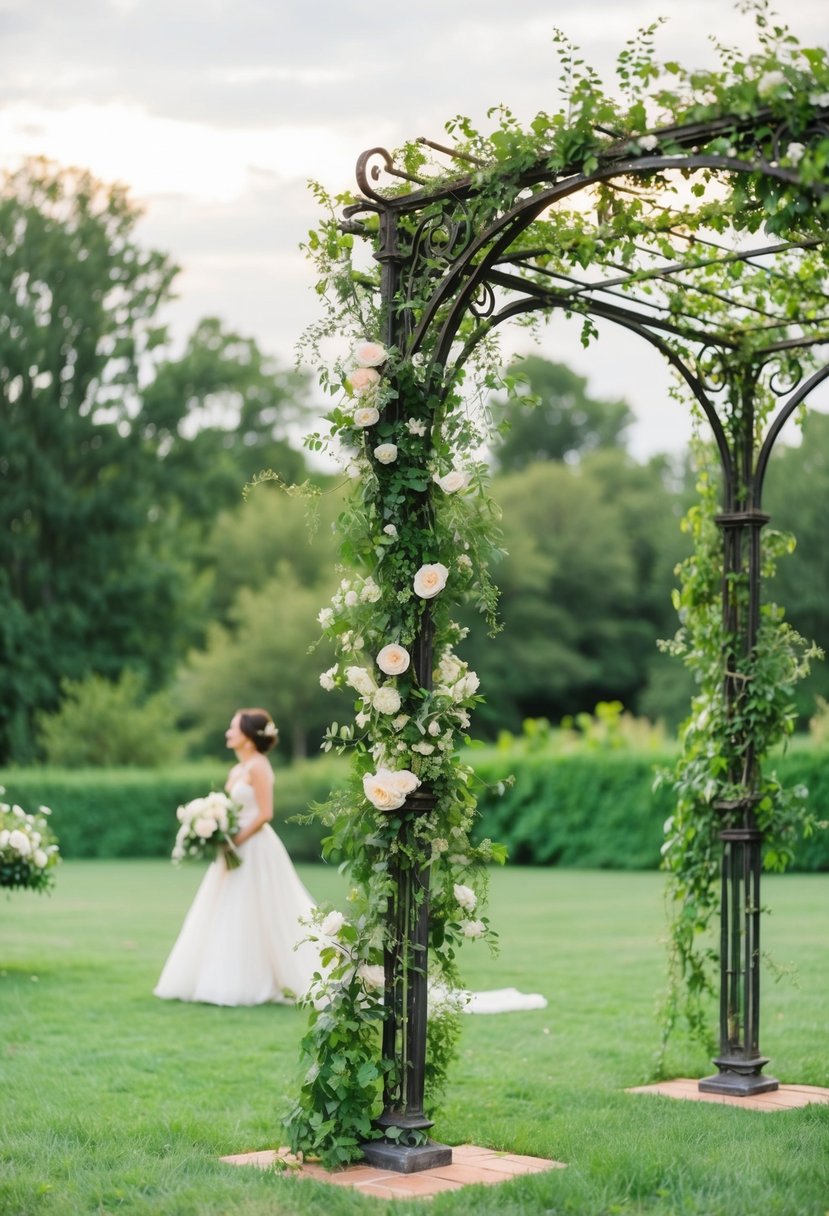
258, 726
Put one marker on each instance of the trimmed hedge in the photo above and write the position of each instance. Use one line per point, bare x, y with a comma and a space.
583, 809
598, 810
132, 812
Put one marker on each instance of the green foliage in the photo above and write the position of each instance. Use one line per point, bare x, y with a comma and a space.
724, 741
550, 416
132, 812
263, 656
109, 723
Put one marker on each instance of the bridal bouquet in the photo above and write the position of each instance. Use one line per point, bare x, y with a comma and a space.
206, 822
28, 848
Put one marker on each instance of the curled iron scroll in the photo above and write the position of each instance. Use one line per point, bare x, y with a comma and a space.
366, 169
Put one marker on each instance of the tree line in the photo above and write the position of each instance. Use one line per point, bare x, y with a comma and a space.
144, 597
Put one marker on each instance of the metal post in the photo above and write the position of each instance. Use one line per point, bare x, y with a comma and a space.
407, 944
739, 1062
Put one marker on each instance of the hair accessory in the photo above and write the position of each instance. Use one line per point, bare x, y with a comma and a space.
269, 730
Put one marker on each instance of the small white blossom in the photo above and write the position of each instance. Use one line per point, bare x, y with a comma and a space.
795, 153
360, 680
400, 721
387, 700
386, 453
473, 928
423, 749
434, 728
325, 616
416, 427
332, 924
362, 719
463, 561
370, 592
353, 471
770, 82
453, 481
465, 896
351, 599
390, 530
648, 143
819, 99
327, 678
371, 976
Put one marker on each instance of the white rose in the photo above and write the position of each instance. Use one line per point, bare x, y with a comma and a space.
380, 790
795, 153
390, 530
325, 616
451, 482
393, 659
204, 827
371, 977
416, 427
19, 843
387, 700
40, 858
353, 471
360, 680
423, 749
400, 721
648, 142
369, 354
403, 780
363, 380
430, 580
327, 678
473, 928
366, 415
332, 924
465, 896
450, 668
351, 599
386, 453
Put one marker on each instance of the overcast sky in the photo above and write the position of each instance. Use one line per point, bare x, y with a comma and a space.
217, 112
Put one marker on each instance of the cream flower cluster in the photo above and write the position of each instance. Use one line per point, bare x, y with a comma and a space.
387, 789
27, 846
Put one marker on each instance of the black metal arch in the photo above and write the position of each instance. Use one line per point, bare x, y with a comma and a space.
448, 261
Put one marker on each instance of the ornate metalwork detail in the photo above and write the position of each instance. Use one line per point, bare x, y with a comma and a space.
482, 303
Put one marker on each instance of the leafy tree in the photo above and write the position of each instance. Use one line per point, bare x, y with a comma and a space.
585, 588
797, 491
105, 723
219, 414
80, 567
551, 417
261, 658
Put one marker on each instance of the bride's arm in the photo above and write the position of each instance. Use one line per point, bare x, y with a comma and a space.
260, 775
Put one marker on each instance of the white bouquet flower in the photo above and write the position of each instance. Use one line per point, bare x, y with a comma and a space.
28, 848
207, 823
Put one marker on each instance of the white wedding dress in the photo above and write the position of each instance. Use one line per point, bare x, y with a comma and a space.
236, 946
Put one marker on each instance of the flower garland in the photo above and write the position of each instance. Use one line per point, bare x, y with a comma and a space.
417, 534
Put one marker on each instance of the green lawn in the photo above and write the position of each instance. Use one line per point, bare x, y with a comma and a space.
112, 1101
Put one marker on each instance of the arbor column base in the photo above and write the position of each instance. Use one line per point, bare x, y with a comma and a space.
740, 1078
406, 1158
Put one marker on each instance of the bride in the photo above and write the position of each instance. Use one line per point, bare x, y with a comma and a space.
238, 943
242, 940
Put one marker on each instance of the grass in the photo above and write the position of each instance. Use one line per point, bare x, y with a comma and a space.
114, 1102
